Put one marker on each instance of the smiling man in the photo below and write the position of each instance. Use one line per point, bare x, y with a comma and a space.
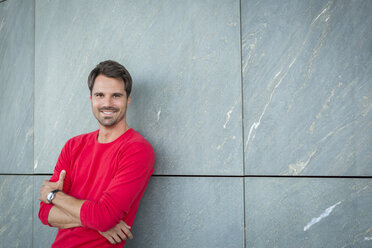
100, 177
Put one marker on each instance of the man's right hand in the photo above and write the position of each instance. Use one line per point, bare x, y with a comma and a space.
50, 186
118, 233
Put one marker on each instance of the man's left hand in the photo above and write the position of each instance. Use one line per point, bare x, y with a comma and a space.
50, 186
118, 233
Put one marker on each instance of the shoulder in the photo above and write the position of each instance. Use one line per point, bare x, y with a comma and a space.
136, 140
137, 146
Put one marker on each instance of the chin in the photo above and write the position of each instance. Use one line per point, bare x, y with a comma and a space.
107, 123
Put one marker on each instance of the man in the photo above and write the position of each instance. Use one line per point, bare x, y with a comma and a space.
100, 177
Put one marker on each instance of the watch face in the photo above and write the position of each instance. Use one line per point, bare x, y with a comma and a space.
50, 197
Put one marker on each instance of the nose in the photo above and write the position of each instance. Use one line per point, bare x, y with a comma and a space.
107, 102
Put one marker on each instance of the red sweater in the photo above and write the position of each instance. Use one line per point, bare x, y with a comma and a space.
111, 177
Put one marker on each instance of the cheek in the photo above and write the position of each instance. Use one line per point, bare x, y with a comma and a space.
95, 104
120, 104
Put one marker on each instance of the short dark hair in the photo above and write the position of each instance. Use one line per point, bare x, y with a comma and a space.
113, 69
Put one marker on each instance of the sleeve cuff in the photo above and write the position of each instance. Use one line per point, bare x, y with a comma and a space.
45, 213
83, 212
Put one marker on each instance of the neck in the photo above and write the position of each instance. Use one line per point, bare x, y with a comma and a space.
109, 134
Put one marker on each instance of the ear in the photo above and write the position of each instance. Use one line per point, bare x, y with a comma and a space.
128, 101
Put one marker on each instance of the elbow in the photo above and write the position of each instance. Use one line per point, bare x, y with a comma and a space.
42, 219
97, 216
44, 213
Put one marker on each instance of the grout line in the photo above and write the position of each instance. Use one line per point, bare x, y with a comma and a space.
216, 176
33, 89
33, 212
26, 174
241, 85
33, 128
242, 116
255, 176
244, 221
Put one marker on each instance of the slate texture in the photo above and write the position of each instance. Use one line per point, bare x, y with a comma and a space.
43, 236
184, 57
16, 211
184, 212
190, 212
16, 86
307, 69
221, 89
308, 212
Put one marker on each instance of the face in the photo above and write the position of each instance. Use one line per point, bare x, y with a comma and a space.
109, 101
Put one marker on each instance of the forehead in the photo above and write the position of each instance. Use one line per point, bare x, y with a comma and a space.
108, 84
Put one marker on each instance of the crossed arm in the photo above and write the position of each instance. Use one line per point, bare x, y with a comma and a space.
65, 212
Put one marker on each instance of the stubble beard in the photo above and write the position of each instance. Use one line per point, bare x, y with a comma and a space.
108, 121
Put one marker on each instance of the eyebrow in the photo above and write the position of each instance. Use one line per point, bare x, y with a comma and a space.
115, 93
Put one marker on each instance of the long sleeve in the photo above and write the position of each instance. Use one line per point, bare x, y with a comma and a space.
134, 171
62, 164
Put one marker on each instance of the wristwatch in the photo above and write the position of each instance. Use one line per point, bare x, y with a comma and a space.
51, 195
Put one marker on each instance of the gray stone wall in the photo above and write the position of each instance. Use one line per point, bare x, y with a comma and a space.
259, 113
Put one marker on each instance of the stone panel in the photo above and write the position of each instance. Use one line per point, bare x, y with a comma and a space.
15, 211
43, 235
307, 87
178, 211
308, 212
190, 212
184, 57
16, 86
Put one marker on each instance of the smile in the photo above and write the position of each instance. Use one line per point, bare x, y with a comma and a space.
108, 112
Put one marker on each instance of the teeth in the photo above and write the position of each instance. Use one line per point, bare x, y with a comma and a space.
108, 112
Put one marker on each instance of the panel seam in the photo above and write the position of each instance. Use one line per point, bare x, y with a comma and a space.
33, 127
219, 176
242, 116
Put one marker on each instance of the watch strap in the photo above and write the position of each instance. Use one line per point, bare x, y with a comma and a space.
54, 192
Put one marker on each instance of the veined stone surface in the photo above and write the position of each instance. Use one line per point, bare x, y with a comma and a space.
184, 57
43, 236
304, 107
16, 86
308, 212
16, 211
307, 69
184, 212
190, 212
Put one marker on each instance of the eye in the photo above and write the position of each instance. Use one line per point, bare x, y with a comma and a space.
116, 95
98, 95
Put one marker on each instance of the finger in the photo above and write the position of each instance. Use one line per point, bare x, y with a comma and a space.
121, 235
117, 238
126, 229
128, 233
129, 227
107, 236
117, 231
111, 240
62, 176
